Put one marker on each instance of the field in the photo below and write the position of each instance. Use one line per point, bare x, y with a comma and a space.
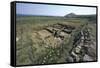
48, 40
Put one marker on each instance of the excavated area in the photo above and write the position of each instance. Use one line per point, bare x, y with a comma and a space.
53, 35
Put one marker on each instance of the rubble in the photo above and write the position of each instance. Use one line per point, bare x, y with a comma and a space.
84, 50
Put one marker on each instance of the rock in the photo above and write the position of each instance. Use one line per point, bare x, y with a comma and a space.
77, 59
74, 54
77, 49
17, 38
87, 58
82, 37
70, 59
82, 33
92, 52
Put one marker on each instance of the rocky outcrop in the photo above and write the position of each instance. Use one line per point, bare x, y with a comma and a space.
84, 48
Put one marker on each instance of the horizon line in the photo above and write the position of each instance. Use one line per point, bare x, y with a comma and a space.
52, 15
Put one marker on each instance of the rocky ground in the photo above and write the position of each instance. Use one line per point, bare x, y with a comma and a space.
58, 43
84, 46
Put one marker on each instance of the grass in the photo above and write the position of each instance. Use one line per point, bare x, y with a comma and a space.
31, 48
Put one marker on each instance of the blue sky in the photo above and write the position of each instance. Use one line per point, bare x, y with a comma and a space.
52, 10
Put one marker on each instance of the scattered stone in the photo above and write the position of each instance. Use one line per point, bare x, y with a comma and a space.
77, 49
17, 38
70, 59
87, 58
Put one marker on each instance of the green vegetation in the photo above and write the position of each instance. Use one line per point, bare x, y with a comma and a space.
34, 48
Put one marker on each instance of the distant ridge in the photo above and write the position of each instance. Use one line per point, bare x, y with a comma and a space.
71, 15
90, 17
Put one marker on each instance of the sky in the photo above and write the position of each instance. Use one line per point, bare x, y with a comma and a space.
52, 10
